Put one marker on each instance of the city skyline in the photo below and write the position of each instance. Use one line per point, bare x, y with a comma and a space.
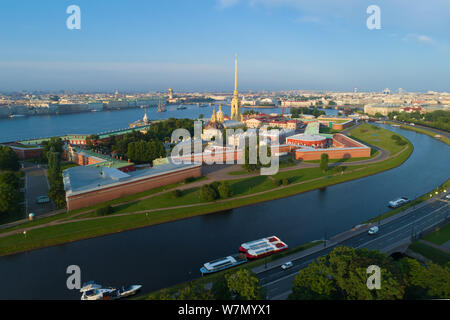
282, 45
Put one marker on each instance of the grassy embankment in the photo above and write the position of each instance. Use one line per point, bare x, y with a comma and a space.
163, 208
435, 255
424, 131
438, 237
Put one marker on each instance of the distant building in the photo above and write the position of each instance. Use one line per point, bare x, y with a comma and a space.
383, 109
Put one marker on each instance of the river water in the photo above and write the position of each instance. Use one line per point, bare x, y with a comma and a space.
166, 254
21, 128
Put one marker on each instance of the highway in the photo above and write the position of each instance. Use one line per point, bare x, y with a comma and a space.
393, 232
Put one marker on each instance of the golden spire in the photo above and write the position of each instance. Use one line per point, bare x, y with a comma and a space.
213, 118
235, 75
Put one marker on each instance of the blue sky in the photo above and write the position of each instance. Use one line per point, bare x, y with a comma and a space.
146, 45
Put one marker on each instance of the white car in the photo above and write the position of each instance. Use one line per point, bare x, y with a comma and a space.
398, 202
374, 230
287, 265
447, 196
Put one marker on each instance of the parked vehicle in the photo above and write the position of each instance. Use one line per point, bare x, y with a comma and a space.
398, 202
42, 199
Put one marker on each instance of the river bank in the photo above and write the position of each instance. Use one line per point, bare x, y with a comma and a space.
161, 208
167, 254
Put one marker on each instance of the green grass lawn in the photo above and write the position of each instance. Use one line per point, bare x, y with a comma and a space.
379, 137
440, 236
435, 255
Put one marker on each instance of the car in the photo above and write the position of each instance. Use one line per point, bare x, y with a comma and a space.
398, 202
42, 199
447, 196
287, 265
374, 230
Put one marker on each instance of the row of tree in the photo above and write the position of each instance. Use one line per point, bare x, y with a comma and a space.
299, 112
141, 147
55, 178
342, 275
439, 119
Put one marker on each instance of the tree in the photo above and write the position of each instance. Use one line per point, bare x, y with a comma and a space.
8, 198
55, 144
207, 193
176, 193
220, 289
8, 159
55, 179
244, 284
10, 178
430, 282
194, 292
342, 274
324, 162
225, 190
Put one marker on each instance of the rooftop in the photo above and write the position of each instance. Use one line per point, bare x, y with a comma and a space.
89, 178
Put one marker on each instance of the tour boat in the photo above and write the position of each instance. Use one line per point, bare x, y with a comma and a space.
223, 263
263, 247
129, 290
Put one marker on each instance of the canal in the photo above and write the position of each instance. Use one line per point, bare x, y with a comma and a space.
167, 254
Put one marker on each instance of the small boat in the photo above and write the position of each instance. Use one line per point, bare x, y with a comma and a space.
203, 105
101, 294
223, 263
129, 290
90, 285
16, 116
181, 107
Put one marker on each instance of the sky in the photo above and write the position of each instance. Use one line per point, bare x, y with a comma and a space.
151, 45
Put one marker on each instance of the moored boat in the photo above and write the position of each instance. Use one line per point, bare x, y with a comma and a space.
101, 294
127, 291
90, 285
263, 247
223, 263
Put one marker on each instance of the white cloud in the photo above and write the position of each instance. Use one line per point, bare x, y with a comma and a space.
419, 38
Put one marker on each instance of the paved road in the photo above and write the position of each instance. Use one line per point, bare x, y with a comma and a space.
36, 185
393, 232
